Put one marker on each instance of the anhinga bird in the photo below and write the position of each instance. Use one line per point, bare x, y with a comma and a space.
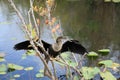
55, 49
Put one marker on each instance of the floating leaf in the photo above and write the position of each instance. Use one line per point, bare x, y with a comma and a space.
2, 59
107, 75
3, 72
76, 78
16, 75
30, 52
14, 66
107, 0
107, 63
28, 68
39, 75
92, 55
41, 71
71, 63
89, 72
115, 65
104, 52
116, 1
3, 67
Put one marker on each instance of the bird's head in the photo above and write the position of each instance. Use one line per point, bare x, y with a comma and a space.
60, 38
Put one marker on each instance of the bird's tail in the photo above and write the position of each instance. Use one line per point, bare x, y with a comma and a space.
23, 45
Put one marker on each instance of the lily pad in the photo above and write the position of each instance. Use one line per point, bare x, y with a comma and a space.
2, 59
92, 55
3, 69
89, 72
14, 66
76, 78
104, 52
107, 63
39, 75
16, 75
107, 75
28, 68
30, 52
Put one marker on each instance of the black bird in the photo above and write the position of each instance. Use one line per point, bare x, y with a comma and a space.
55, 49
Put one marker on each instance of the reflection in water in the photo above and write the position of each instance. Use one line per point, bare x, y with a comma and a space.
95, 24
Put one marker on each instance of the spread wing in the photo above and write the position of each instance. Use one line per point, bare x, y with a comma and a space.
73, 46
25, 45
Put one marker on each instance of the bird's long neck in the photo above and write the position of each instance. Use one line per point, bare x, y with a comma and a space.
57, 46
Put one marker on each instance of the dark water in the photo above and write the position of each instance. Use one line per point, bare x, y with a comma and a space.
95, 25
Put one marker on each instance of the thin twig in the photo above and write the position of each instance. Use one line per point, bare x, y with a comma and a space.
30, 38
54, 70
32, 12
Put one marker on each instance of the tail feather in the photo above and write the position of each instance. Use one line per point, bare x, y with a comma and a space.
23, 45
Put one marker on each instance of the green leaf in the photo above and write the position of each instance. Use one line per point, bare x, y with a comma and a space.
107, 0
28, 68
115, 65
104, 52
41, 71
3, 69
92, 55
14, 66
107, 63
107, 76
2, 59
39, 75
16, 75
30, 52
76, 78
116, 1
89, 72
71, 63
65, 55
3, 72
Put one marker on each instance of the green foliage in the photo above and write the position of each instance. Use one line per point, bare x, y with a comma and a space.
92, 55
3, 69
2, 59
115, 1
40, 74
104, 52
107, 75
28, 68
89, 72
16, 75
14, 66
76, 78
28, 53
106, 63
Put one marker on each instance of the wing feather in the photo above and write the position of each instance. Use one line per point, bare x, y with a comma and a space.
25, 45
73, 46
